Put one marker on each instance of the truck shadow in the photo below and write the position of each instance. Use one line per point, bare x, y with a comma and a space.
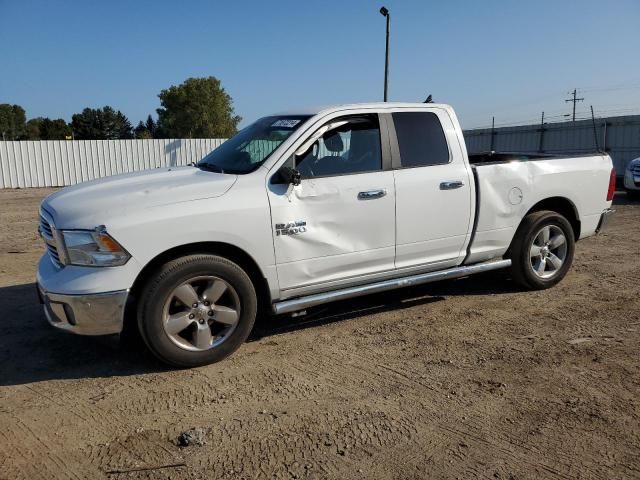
623, 198
482, 284
32, 351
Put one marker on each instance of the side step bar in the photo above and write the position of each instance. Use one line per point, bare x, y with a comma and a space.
295, 304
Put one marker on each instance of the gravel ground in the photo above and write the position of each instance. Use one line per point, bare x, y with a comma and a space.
465, 379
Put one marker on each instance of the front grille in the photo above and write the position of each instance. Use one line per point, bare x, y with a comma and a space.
53, 253
635, 171
47, 231
45, 228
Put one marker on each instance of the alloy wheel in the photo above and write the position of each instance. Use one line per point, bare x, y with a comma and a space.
201, 313
548, 251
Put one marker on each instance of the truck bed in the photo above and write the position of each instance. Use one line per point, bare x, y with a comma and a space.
508, 185
483, 158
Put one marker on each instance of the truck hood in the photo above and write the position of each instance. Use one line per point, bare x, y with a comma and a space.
89, 204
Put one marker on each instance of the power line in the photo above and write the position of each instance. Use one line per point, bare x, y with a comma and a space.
551, 119
605, 88
574, 100
557, 116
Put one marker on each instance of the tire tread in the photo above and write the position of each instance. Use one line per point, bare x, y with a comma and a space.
520, 268
156, 282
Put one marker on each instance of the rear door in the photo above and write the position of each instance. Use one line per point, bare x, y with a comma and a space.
433, 189
338, 225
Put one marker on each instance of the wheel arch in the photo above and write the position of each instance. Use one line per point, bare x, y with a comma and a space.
564, 207
231, 252
561, 205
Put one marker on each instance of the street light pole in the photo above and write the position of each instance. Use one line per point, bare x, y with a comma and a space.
385, 13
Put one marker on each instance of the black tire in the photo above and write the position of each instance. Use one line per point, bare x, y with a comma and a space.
633, 194
522, 268
156, 293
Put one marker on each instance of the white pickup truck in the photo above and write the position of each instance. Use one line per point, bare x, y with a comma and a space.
303, 208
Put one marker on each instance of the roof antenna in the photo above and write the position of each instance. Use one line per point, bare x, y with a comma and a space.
429, 99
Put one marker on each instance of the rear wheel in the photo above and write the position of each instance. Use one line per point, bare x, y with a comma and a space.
542, 250
197, 310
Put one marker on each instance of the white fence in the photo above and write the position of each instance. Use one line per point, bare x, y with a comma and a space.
56, 163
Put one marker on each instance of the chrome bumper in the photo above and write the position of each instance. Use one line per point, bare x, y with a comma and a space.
91, 314
605, 218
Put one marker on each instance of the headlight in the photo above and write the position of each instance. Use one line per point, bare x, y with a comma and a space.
93, 248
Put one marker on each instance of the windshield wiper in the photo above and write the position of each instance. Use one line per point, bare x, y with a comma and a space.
209, 167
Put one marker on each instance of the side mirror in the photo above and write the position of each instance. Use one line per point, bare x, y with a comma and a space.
290, 175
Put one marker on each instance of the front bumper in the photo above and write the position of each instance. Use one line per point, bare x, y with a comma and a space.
605, 218
631, 181
88, 314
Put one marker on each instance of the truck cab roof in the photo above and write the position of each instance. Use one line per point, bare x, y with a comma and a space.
359, 106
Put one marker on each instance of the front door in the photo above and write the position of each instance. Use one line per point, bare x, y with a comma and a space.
338, 225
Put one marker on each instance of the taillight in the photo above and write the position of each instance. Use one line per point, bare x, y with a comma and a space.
612, 185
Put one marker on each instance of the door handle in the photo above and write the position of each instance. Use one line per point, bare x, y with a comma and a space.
371, 194
451, 185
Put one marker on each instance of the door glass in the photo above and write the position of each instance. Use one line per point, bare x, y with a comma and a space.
351, 148
421, 139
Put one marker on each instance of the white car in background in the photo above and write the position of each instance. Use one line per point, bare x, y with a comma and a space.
632, 178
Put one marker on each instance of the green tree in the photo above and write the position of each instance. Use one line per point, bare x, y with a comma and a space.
141, 131
150, 125
32, 129
12, 121
197, 108
56, 129
101, 124
123, 126
46, 129
145, 130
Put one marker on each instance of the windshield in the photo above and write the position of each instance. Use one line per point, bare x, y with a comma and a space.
252, 145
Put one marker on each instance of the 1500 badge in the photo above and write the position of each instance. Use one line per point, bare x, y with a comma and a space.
291, 228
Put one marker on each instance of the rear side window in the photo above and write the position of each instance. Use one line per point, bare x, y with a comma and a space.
421, 139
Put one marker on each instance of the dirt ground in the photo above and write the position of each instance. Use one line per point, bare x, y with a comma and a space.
463, 379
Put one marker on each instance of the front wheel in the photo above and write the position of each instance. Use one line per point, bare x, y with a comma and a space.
542, 250
197, 310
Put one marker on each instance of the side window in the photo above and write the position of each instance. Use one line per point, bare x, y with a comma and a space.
351, 148
421, 139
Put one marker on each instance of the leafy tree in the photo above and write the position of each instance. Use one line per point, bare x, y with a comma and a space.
145, 130
32, 129
101, 124
12, 121
197, 108
141, 131
46, 129
56, 129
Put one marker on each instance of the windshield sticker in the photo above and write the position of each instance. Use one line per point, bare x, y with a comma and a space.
285, 123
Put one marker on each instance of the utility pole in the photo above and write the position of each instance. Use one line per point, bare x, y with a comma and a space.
574, 100
385, 13
541, 138
493, 133
595, 131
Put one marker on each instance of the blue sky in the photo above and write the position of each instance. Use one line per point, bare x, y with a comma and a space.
511, 59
